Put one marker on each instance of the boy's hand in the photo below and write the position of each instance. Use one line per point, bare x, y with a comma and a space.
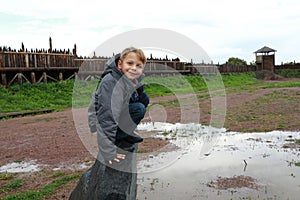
117, 159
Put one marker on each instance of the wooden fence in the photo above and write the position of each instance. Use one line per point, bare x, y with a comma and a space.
41, 65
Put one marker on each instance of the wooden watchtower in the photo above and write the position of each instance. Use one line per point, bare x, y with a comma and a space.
265, 59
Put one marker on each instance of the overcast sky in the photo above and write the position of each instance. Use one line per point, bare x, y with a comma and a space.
231, 28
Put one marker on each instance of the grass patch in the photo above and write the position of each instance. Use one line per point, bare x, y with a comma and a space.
65, 94
46, 190
59, 174
281, 85
282, 126
297, 164
6, 176
141, 151
289, 73
36, 96
14, 184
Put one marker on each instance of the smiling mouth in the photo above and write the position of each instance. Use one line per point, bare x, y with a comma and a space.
132, 74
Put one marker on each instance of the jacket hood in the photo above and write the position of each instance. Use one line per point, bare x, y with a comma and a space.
111, 66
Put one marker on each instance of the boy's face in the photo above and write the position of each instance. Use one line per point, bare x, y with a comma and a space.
132, 67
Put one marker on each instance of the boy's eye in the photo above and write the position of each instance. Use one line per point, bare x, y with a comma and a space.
139, 66
129, 63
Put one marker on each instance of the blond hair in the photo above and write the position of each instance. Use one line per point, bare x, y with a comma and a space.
137, 51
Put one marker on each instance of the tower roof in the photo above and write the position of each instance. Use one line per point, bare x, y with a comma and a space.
265, 49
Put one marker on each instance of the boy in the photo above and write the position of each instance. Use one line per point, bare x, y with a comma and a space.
120, 104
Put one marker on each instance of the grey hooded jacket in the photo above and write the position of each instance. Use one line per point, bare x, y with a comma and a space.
108, 107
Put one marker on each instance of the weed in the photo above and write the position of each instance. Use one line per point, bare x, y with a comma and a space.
46, 190
6, 176
141, 151
281, 85
289, 140
165, 133
281, 127
154, 180
14, 184
59, 174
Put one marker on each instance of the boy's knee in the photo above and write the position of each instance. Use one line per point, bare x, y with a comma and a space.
137, 111
140, 108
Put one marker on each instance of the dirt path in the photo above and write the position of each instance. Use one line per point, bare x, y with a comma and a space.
52, 138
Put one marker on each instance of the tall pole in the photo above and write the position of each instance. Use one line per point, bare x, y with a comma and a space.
50, 45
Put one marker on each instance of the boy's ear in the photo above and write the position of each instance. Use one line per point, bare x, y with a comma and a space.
119, 64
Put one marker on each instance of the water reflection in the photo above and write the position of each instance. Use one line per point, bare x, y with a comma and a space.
206, 153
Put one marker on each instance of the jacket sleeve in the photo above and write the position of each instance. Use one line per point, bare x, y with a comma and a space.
107, 112
92, 118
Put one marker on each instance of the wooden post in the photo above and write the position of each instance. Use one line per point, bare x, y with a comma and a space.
35, 60
44, 56
60, 76
45, 77
47, 60
26, 61
20, 78
76, 76
32, 77
75, 50
22, 47
14, 60
50, 45
4, 81
9, 60
1, 59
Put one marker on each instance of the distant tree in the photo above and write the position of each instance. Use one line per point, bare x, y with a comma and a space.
252, 62
236, 61
289, 63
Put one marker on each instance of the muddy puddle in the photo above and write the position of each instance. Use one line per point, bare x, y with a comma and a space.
214, 164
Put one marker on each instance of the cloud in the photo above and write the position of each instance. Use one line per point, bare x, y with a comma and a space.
223, 28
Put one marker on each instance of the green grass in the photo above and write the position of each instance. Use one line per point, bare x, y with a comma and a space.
60, 95
40, 194
289, 73
280, 85
36, 96
12, 185
141, 151
162, 86
59, 174
6, 176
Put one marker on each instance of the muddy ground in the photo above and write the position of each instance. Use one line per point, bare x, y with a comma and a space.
51, 139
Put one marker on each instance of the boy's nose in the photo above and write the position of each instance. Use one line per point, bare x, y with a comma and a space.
134, 67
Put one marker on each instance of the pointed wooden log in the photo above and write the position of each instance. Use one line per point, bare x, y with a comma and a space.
33, 77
